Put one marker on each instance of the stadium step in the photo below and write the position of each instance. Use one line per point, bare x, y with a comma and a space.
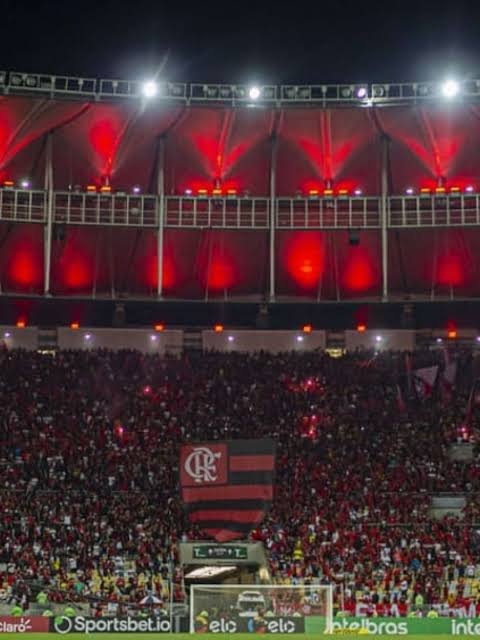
447, 505
461, 452
192, 340
47, 338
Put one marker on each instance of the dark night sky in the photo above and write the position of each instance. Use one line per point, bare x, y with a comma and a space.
242, 42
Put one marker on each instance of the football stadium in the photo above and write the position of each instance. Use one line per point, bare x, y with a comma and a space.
239, 358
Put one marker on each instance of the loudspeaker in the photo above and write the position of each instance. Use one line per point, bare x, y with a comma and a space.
59, 232
408, 319
119, 316
262, 320
353, 238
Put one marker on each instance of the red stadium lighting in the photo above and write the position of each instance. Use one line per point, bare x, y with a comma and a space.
307, 328
328, 192
75, 326
452, 334
218, 328
343, 192
105, 188
217, 192
202, 193
440, 190
454, 189
159, 327
361, 328
92, 188
313, 193
232, 193
8, 184
21, 324
425, 191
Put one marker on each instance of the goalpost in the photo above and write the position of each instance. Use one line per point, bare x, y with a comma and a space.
235, 608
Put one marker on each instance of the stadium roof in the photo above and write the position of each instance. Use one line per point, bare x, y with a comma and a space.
299, 199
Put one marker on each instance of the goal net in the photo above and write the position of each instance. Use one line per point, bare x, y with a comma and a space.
228, 608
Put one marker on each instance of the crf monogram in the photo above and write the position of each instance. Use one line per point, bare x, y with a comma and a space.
201, 465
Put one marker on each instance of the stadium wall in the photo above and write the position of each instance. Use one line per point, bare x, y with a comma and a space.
271, 341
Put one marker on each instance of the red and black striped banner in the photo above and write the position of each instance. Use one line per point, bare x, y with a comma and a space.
227, 487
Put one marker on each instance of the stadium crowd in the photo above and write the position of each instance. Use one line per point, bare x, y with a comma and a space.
89, 445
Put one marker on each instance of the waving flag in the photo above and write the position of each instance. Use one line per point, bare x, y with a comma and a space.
401, 404
447, 381
425, 381
227, 487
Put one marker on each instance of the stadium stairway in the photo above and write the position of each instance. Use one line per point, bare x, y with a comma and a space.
192, 341
461, 452
447, 505
48, 338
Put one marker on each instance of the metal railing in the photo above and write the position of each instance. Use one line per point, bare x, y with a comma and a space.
225, 213
434, 211
119, 209
18, 205
328, 213
99, 209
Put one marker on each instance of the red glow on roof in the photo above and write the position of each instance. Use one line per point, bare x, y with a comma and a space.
361, 328
452, 334
21, 323
313, 153
450, 270
222, 275
159, 327
359, 272
77, 272
104, 138
151, 269
305, 258
218, 328
74, 326
307, 328
207, 148
23, 268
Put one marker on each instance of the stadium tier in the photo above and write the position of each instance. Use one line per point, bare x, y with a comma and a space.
201, 196
91, 509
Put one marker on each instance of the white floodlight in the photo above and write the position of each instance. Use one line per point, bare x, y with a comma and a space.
254, 93
361, 93
450, 88
150, 89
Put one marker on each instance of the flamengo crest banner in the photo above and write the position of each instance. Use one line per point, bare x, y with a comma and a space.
227, 487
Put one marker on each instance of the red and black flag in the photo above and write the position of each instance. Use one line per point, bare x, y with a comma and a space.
227, 487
